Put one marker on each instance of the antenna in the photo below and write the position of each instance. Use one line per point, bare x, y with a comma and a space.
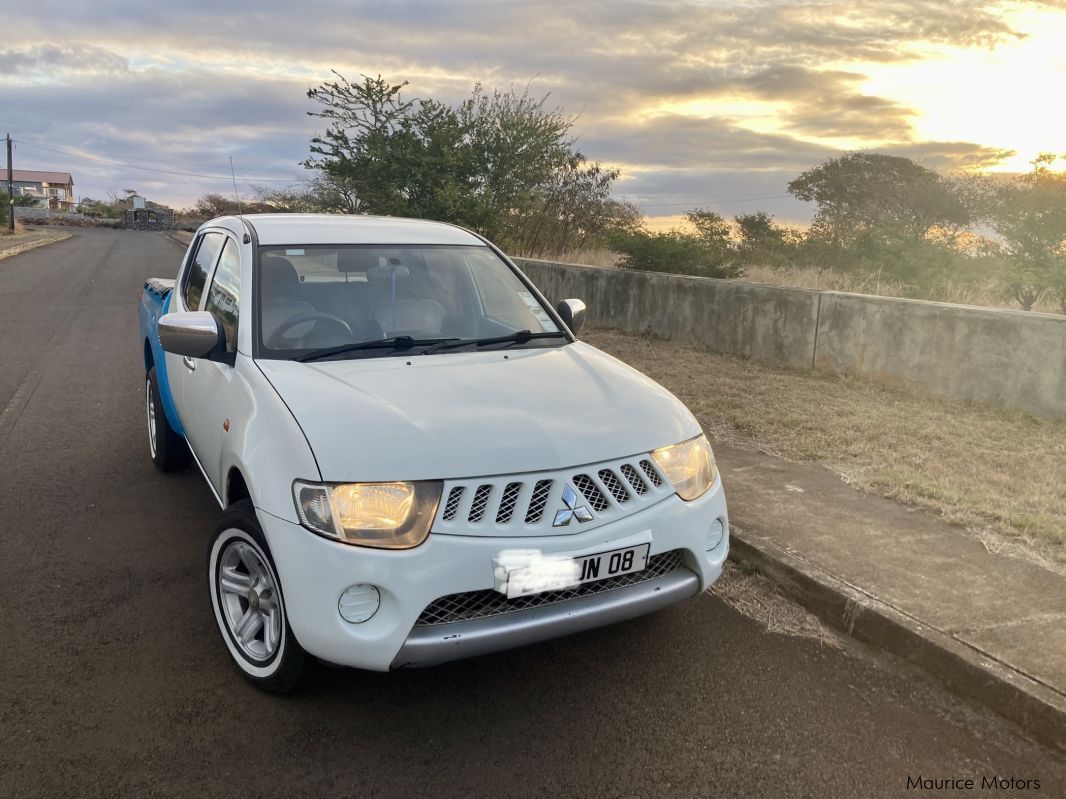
237, 194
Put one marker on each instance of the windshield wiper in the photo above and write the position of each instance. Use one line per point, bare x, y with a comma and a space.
392, 343
518, 337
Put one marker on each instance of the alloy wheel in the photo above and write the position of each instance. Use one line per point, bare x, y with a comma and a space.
249, 601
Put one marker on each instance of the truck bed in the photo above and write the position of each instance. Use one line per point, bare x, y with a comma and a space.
155, 300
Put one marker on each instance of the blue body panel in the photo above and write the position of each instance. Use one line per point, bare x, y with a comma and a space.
154, 303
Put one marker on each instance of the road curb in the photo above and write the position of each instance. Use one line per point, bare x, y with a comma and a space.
26, 246
1037, 709
170, 236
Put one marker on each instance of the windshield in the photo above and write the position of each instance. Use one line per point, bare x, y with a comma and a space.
316, 297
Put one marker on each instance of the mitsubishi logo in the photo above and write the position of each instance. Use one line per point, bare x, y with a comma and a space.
571, 510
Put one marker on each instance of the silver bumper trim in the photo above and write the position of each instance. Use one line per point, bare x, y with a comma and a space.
431, 645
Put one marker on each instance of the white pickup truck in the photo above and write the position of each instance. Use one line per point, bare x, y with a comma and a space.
416, 458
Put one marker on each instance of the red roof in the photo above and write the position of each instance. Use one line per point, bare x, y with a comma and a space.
34, 176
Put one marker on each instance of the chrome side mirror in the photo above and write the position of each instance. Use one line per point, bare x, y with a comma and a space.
191, 333
573, 313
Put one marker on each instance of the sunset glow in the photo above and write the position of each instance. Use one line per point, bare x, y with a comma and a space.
707, 104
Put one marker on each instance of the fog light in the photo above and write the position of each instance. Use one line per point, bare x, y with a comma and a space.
715, 534
359, 603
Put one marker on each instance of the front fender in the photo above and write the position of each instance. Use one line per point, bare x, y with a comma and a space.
265, 443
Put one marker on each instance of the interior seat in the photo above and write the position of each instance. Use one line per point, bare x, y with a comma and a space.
409, 316
281, 293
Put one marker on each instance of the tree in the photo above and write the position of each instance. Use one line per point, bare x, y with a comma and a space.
1029, 212
213, 204
877, 210
318, 195
99, 208
501, 163
761, 241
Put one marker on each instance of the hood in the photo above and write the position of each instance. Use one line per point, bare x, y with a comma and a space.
473, 414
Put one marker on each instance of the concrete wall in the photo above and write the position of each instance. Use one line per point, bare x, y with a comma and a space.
43, 213
1015, 359
747, 319
1012, 359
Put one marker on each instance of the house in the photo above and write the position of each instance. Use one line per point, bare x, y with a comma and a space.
51, 190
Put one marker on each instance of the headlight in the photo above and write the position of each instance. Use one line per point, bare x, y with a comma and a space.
383, 515
689, 466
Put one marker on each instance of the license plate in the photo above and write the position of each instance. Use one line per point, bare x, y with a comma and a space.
556, 573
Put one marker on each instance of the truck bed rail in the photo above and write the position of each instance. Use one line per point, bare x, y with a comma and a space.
159, 286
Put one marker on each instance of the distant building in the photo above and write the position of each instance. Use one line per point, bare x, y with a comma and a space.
141, 214
51, 190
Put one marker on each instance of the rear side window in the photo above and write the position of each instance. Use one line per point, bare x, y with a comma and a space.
224, 295
199, 268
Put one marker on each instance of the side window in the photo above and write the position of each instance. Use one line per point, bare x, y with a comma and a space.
224, 295
199, 269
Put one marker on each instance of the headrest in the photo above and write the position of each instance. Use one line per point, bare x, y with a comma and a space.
357, 260
386, 272
279, 275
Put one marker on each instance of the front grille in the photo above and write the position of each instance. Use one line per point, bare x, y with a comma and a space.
529, 504
614, 485
481, 501
510, 498
452, 505
482, 604
538, 501
634, 480
653, 475
592, 494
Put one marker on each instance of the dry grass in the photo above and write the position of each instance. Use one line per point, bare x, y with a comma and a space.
985, 292
981, 291
756, 597
1002, 475
19, 229
590, 257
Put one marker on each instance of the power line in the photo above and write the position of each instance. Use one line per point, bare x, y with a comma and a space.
85, 155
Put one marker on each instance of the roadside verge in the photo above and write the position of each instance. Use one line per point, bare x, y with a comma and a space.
30, 244
988, 628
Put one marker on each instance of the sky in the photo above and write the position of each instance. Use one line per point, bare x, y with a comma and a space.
700, 104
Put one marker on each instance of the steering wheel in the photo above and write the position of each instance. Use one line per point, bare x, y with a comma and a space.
276, 340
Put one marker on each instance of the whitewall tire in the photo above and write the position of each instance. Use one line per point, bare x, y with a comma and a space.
249, 604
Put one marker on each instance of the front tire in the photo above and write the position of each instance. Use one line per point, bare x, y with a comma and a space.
169, 451
248, 602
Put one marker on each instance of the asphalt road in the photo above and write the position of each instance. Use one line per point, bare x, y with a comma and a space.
114, 681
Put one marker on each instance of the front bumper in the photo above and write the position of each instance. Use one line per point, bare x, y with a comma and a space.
314, 572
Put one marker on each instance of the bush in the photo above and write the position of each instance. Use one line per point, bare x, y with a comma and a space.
674, 251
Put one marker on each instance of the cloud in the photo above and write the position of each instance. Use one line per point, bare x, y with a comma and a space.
50, 59
951, 156
184, 86
678, 142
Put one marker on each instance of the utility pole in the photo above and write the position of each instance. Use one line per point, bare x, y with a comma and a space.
10, 189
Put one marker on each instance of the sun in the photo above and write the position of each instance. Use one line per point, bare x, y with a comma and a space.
1008, 96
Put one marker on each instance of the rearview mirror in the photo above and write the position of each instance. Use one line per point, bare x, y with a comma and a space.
573, 313
191, 333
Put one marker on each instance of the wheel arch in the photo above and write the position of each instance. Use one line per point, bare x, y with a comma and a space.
236, 487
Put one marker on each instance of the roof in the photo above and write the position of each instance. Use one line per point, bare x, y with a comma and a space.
35, 176
273, 229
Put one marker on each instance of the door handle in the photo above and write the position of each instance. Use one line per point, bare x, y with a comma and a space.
190, 363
